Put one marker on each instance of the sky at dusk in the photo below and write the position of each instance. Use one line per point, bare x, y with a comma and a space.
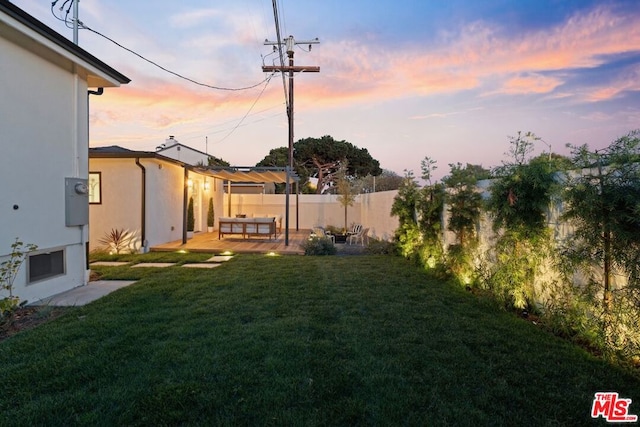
448, 79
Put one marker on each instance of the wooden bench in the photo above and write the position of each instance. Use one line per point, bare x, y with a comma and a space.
247, 227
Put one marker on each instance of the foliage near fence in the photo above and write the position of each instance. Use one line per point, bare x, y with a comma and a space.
584, 284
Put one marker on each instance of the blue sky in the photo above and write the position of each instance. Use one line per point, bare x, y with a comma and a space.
451, 79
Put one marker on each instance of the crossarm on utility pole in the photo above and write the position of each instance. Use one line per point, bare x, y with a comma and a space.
294, 68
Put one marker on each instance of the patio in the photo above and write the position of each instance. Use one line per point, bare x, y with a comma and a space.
209, 242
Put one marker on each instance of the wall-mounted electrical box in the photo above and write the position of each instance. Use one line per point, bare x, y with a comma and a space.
76, 194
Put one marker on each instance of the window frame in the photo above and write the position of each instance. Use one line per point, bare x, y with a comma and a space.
95, 191
51, 251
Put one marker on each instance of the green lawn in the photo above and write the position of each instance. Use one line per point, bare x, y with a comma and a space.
369, 340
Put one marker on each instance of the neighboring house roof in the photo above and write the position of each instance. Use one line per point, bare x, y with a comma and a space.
117, 152
168, 147
110, 149
92, 64
237, 174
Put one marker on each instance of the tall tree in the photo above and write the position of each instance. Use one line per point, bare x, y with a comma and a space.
519, 201
345, 191
464, 201
216, 161
320, 158
603, 205
386, 181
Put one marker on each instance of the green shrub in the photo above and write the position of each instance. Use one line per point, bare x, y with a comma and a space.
191, 220
210, 213
381, 247
319, 246
8, 272
460, 263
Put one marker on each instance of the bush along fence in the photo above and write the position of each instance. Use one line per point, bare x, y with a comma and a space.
554, 236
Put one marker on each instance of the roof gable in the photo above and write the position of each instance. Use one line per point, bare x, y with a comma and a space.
21, 28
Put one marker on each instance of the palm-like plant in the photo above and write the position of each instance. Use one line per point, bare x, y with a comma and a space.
118, 240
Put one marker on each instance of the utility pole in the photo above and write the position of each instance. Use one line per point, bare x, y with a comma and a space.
290, 43
76, 21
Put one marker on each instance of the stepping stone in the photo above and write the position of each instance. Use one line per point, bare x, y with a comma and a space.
154, 264
220, 258
84, 294
110, 263
201, 265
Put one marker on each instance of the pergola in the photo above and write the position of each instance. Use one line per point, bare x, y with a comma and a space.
256, 174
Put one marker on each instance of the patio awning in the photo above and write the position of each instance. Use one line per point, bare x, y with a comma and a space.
256, 175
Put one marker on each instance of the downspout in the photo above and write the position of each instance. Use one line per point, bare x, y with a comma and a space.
184, 205
143, 208
84, 243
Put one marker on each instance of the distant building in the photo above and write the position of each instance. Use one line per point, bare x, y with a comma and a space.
173, 149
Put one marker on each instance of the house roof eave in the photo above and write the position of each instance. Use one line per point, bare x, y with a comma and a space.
99, 74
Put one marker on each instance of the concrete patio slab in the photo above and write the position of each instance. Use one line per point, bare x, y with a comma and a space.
220, 258
84, 294
154, 264
110, 263
200, 265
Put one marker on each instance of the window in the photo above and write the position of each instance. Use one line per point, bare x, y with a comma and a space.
95, 187
44, 265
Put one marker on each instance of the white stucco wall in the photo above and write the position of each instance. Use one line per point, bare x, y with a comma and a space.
121, 198
44, 139
121, 206
371, 210
376, 214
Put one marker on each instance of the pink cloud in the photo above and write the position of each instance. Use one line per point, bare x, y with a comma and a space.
629, 81
476, 55
530, 84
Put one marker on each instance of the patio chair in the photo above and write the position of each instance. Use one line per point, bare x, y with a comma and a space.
357, 228
361, 235
321, 232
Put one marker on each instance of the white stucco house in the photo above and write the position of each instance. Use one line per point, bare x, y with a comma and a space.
172, 148
45, 82
175, 150
146, 193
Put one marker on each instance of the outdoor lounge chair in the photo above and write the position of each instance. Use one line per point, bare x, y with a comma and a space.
360, 235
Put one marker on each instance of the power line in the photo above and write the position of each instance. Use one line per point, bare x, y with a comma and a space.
279, 49
247, 113
84, 27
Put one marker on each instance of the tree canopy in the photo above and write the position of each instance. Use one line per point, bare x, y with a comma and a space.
321, 158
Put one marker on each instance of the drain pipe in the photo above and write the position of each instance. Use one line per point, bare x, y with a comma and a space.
84, 242
185, 201
143, 209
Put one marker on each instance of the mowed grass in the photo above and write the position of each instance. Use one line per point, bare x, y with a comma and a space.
366, 340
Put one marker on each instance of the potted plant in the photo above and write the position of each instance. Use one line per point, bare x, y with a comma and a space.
191, 219
210, 216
